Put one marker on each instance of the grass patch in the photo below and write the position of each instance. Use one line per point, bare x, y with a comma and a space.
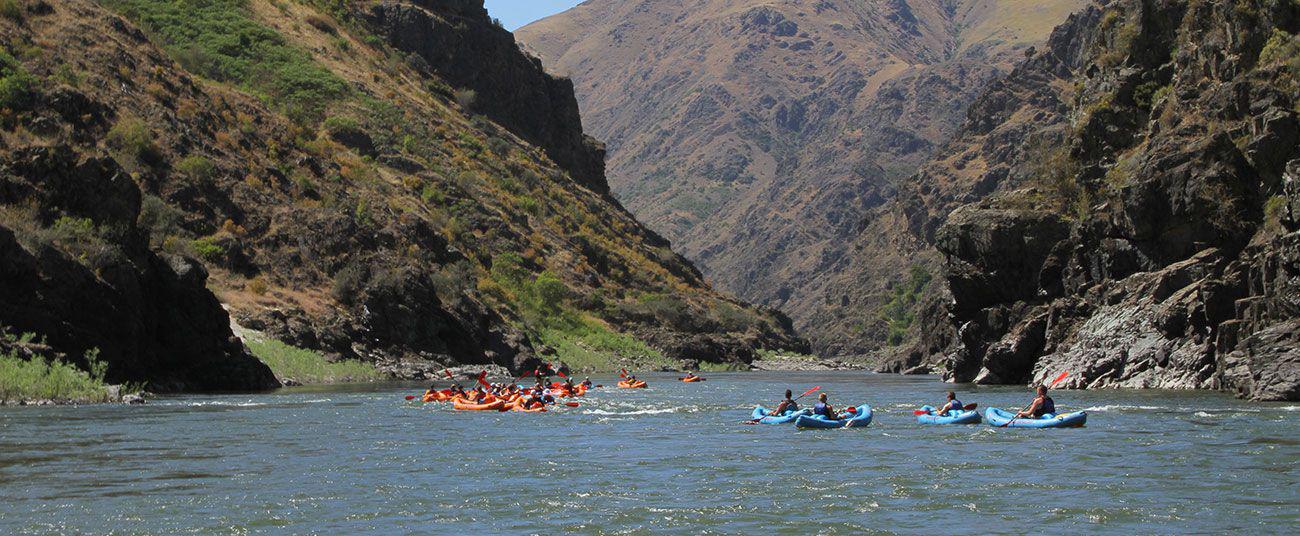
590, 346
219, 39
307, 366
42, 378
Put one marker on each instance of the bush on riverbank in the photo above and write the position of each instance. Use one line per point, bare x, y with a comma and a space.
43, 378
307, 366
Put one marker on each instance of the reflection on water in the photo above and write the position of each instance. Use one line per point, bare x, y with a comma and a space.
672, 458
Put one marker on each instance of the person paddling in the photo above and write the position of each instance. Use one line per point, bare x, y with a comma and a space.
586, 383
786, 405
1042, 405
689, 375
952, 405
824, 409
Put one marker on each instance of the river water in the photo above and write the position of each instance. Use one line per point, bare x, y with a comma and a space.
674, 458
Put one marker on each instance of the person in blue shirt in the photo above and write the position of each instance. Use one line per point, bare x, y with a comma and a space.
951, 405
824, 409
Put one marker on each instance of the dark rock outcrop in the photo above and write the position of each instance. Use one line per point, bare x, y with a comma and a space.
78, 273
1128, 209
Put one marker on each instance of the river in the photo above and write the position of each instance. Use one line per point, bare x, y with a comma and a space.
674, 458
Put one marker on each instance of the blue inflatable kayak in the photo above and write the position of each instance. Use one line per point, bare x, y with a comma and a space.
953, 417
764, 415
861, 418
998, 417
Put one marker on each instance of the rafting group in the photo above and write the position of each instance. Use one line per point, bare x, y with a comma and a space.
510, 396
1040, 413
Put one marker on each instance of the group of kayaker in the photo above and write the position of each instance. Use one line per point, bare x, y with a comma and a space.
507, 396
1041, 405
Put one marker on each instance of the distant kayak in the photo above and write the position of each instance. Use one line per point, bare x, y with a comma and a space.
953, 417
861, 417
639, 384
692, 379
999, 417
765, 416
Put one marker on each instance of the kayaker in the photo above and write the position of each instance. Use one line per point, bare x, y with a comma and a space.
457, 390
689, 375
952, 405
1042, 405
586, 383
786, 405
824, 409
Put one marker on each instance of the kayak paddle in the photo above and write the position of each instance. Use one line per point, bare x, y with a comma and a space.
1054, 382
967, 407
410, 397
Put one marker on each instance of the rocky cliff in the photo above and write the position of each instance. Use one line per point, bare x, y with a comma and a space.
758, 135
329, 187
1122, 206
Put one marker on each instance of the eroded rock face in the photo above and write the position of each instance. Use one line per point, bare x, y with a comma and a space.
79, 273
1170, 259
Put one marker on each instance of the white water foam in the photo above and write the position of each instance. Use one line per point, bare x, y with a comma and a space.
637, 412
1121, 407
1203, 415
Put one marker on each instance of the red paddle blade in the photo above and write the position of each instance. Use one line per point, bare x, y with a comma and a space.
970, 407
622, 373
410, 397
482, 375
1059, 378
448, 373
851, 409
919, 412
571, 404
810, 391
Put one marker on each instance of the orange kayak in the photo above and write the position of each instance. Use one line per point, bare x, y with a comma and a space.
640, 384
437, 396
462, 404
692, 379
520, 407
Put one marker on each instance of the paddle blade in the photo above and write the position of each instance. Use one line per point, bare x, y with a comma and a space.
410, 397
448, 373
571, 404
557, 371
919, 412
850, 409
483, 382
1059, 378
810, 391
622, 373
968, 407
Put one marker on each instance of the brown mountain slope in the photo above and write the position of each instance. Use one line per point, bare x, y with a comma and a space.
757, 134
341, 193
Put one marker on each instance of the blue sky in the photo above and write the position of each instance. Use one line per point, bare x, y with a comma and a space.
516, 13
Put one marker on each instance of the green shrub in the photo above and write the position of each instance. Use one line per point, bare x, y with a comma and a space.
44, 378
221, 40
1144, 95
900, 311
465, 98
307, 366
131, 137
1281, 48
17, 86
349, 282
158, 218
208, 249
197, 167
